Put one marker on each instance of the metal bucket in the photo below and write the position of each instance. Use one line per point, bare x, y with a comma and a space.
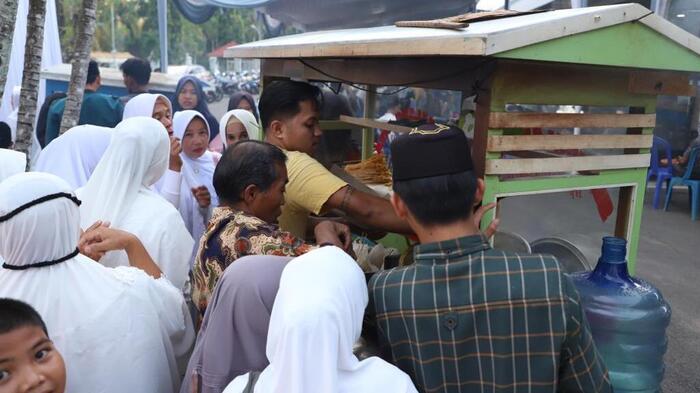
509, 241
571, 254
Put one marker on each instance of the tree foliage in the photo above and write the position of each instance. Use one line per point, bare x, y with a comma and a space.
136, 29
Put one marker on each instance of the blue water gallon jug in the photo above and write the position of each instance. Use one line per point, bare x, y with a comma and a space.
628, 319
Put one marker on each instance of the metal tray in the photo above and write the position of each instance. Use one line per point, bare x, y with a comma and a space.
570, 257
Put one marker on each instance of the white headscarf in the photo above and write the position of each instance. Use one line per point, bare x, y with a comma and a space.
75, 154
118, 329
196, 172
11, 163
142, 105
119, 192
246, 118
316, 319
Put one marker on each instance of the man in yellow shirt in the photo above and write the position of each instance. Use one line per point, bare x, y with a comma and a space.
289, 113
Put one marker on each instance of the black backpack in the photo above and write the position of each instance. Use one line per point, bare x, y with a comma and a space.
43, 113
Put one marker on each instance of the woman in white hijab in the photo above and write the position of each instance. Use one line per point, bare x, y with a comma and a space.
75, 154
119, 330
147, 105
316, 319
238, 124
119, 192
11, 163
159, 107
197, 194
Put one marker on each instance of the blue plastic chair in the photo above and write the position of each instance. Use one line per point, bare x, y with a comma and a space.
693, 185
662, 173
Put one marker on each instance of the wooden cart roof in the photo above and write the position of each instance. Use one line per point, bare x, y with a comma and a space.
613, 35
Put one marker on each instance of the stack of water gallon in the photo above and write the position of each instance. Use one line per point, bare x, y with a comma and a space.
628, 318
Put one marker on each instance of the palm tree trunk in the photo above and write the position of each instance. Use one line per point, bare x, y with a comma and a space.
7, 31
30, 79
81, 58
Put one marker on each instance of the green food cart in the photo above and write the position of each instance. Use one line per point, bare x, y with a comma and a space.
615, 59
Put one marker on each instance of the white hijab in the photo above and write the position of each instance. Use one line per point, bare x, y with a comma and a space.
11, 163
316, 319
142, 105
118, 329
246, 118
196, 172
119, 192
75, 154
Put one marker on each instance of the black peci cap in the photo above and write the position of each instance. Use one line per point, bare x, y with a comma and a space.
430, 150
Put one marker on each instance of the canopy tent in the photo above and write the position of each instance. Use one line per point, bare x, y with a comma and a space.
219, 52
325, 14
199, 11
311, 15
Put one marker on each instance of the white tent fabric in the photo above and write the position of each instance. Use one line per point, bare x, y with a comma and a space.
51, 55
11, 119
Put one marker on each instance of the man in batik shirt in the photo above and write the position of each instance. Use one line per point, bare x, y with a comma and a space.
250, 182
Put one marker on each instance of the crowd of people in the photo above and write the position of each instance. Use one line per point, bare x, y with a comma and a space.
161, 250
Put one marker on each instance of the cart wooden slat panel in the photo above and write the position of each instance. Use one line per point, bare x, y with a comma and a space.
565, 164
558, 142
569, 120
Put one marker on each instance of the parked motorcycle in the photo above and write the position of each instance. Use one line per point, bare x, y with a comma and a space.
212, 92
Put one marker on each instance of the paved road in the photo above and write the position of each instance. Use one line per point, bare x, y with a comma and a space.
669, 257
219, 108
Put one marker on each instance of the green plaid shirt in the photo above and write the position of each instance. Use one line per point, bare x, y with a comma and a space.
468, 318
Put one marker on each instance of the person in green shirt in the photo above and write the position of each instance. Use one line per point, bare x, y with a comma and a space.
97, 109
466, 317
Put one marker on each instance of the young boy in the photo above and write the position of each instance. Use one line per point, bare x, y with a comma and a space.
29, 362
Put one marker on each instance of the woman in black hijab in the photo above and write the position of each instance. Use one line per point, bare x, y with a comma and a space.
189, 94
243, 100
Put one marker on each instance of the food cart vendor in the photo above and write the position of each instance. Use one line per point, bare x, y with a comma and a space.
289, 114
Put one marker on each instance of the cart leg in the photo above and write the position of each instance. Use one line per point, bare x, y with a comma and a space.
629, 219
631, 200
370, 113
491, 185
